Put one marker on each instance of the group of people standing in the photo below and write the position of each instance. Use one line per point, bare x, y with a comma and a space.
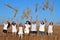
28, 28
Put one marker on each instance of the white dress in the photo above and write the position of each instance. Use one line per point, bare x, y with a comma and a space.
20, 30
42, 27
5, 26
14, 28
26, 30
33, 27
50, 29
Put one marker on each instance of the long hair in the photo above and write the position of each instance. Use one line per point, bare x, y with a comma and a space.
51, 23
28, 22
8, 24
21, 24
13, 23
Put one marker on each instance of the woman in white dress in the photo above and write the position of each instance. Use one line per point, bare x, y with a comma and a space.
14, 29
20, 32
27, 27
50, 28
27, 30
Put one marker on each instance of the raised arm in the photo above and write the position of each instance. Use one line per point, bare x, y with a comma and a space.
31, 19
36, 19
45, 21
17, 21
2, 20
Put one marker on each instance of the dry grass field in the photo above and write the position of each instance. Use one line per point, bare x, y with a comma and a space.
55, 36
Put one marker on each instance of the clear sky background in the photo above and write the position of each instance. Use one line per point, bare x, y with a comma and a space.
23, 4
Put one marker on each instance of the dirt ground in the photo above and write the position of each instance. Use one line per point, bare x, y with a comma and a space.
9, 36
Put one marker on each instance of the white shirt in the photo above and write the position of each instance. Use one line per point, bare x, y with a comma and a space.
5, 26
50, 29
20, 30
33, 28
42, 27
14, 28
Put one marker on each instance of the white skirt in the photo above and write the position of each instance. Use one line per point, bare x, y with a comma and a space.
50, 31
14, 30
20, 32
26, 30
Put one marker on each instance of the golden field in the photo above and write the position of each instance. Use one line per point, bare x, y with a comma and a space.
55, 36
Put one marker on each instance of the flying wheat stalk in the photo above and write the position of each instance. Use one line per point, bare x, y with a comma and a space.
15, 10
26, 13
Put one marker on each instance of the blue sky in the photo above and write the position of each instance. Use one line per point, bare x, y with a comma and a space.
23, 4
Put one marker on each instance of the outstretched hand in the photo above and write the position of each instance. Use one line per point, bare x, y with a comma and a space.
2, 19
